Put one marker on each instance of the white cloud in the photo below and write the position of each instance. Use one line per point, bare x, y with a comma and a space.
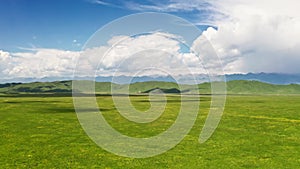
99, 2
5, 62
129, 55
169, 6
252, 36
37, 63
4, 55
257, 36
151, 54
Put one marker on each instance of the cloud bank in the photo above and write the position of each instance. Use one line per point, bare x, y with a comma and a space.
257, 36
37, 63
156, 54
251, 36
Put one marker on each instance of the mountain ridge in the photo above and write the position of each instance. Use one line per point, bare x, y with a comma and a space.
233, 87
273, 78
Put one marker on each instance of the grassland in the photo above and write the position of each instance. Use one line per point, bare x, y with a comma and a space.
255, 132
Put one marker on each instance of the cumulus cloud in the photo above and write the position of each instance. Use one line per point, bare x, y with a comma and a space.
155, 54
37, 63
144, 55
257, 36
251, 36
5, 62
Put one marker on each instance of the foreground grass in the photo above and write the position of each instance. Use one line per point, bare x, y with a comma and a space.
255, 132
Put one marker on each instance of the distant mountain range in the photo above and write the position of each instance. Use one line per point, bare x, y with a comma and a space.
273, 78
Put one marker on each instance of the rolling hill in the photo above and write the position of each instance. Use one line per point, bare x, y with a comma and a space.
273, 78
233, 87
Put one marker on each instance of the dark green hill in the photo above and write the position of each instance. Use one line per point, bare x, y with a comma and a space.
256, 87
233, 87
37, 87
161, 90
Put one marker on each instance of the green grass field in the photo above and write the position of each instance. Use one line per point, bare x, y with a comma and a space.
255, 132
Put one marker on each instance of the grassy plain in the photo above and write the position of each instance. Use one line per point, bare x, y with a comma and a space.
255, 132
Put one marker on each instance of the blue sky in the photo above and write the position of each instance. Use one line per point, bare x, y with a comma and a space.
41, 38
61, 24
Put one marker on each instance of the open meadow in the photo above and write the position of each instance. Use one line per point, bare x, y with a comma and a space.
255, 132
